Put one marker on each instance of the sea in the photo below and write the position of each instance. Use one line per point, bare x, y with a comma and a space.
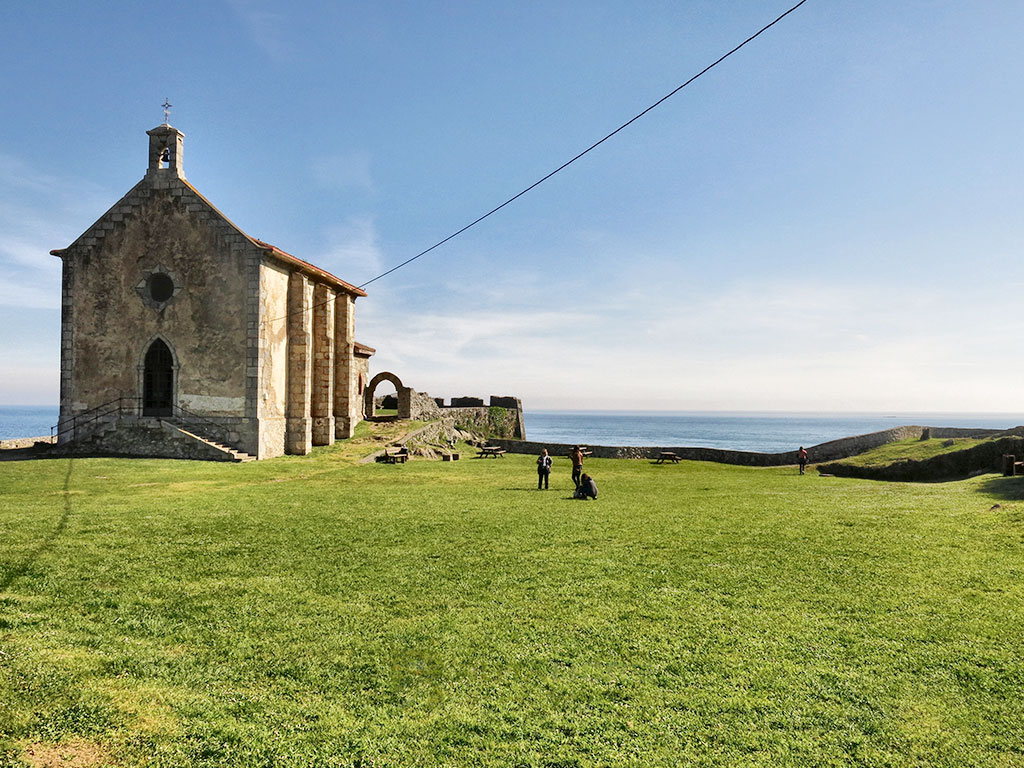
27, 420
739, 431
736, 430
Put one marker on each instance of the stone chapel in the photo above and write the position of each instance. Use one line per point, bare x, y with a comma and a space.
183, 336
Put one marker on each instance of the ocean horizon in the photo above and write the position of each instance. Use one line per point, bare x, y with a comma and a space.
762, 431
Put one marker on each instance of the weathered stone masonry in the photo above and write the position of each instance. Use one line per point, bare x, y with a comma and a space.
322, 404
172, 312
299, 438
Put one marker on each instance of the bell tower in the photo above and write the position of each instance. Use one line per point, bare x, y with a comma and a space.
165, 151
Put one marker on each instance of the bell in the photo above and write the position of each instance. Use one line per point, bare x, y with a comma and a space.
165, 156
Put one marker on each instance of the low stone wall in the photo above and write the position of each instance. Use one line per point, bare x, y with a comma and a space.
851, 446
466, 402
987, 457
143, 438
833, 450
744, 458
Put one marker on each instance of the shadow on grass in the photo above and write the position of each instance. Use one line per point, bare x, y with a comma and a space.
1005, 488
19, 570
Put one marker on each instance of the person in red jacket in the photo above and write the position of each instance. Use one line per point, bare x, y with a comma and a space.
577, 465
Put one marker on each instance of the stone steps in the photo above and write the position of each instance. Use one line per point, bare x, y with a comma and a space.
234, 454
156, 437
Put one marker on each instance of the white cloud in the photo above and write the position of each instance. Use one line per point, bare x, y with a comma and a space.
39, 212
344, 170
784, 346
353, 250
31, 295
264, 26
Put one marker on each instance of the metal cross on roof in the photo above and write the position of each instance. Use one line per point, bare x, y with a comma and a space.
167, 110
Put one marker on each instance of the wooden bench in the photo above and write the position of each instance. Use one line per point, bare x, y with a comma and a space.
1012, 467
494, 451
397, 457
667, 456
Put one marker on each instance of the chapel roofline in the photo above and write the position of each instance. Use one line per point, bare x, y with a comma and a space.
270, 250
166, 136
305, 266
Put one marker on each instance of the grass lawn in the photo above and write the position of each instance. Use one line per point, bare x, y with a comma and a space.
913, 448
314, 611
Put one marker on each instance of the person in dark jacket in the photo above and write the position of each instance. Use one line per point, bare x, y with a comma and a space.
543, 470
587, 489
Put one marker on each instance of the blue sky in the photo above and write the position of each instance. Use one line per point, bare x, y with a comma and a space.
828, 221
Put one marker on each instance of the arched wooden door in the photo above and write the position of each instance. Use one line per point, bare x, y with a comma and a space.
158, 380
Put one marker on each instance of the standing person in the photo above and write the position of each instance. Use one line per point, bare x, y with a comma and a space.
801, 456
577, 465
543, 470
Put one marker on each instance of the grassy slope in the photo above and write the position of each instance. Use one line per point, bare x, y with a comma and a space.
913, 448
311, 611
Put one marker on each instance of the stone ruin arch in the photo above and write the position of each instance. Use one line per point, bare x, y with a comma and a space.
404, 395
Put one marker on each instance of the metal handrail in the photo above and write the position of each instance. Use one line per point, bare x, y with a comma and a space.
119, 405
94, 414
195, 417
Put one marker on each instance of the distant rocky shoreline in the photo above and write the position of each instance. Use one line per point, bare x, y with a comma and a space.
25, 442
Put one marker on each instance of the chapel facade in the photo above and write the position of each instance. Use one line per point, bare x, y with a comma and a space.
181, 335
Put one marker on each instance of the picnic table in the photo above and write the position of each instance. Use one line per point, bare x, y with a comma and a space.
667, 456
394, 457
494, 451
584, 450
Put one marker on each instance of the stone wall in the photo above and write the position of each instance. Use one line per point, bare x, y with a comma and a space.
493, 422
467, 402
150, 438
987, 457
423, 406
829, 451
110, 321
350, 370
502, 418
256, 338
273, 358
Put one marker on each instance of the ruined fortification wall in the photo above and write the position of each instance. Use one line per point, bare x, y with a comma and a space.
422, 406
492, 421
502, 418
987, 457
830, 451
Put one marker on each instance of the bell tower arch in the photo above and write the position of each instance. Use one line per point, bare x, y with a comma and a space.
165, 151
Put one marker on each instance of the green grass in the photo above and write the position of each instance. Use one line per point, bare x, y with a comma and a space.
912, 448
312, 611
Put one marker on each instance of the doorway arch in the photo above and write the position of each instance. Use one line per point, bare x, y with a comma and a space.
158, 379
404, 399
